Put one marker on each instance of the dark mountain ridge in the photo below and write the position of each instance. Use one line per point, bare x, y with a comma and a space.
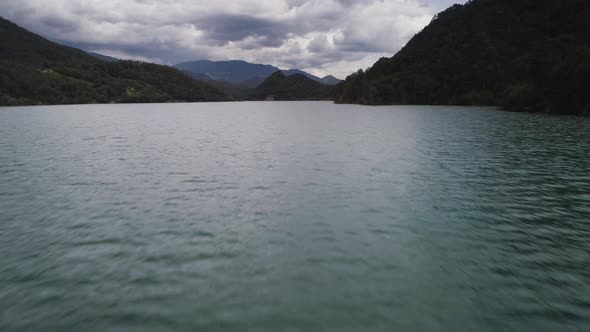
20, 45
330, 80
279, 86
243, 73
35, 71
103, 57
530, 55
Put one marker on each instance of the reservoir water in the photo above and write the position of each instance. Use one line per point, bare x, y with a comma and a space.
303, 216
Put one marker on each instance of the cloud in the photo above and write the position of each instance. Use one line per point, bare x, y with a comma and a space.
322, 36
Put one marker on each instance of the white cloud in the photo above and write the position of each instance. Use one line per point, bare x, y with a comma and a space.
323, 36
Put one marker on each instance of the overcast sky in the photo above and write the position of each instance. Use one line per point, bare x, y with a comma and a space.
321, 36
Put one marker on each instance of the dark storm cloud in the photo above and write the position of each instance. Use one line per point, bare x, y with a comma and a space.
358, 45
335, 36
223, 28
148, 50
60, 23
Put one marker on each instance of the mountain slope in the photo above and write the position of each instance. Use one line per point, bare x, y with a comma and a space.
278, 86
119, 82
103, 57
241, 72
525, 55
229, 71
26, 47
36, 71
198, 77
290, 72
330, 80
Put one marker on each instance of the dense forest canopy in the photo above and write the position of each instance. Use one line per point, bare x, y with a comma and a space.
531, 55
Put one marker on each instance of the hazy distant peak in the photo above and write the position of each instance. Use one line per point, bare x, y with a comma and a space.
242, 72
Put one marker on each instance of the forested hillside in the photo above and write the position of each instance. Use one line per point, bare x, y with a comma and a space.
278, 86
22, 46
34, 70
530, 55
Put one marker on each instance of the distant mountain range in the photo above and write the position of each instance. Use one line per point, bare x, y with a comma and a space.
237, 73
525, 55
36, 71
241, 72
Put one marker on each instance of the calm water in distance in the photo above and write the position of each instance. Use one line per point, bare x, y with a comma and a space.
303, 216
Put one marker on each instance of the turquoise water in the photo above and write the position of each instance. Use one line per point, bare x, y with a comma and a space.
301, 216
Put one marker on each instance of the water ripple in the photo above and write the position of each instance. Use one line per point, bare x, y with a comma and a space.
250, 216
